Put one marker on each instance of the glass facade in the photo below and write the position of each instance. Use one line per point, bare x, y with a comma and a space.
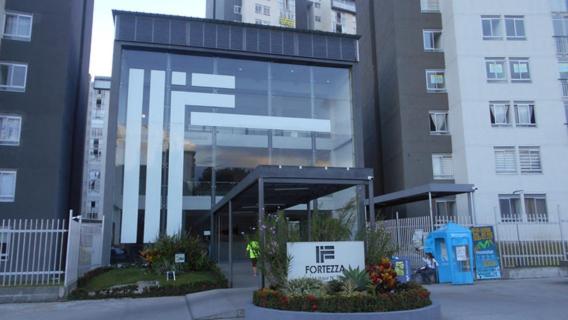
191, 127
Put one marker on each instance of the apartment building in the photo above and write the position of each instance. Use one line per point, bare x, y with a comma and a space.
472, 92
322, 15
95, 148
507, 114
44, 55
406, 115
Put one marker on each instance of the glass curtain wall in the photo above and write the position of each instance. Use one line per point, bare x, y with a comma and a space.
238, 114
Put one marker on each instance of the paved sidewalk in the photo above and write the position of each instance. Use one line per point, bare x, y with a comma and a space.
167, 308
540, 299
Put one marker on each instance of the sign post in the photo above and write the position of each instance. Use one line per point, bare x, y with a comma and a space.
487, 265
324, 260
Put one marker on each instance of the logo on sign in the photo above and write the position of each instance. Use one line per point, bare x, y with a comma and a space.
324, 253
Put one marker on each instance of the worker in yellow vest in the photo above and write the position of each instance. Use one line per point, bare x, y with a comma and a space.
253, 252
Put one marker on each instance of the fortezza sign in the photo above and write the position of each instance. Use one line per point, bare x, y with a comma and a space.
324, 260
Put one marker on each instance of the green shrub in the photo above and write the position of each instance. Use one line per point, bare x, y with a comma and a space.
160, 255
334, 287
304, 286
337, 227
405, 298
354, 280
378, 245
274, 260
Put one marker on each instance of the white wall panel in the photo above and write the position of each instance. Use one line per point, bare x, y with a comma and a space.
210, 99
154, 160
175, 167
259, 122
212, 81
132, 156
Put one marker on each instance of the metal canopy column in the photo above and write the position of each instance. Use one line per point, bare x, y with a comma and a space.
261, 228
431, 211
372, 216
230, 244
309, 221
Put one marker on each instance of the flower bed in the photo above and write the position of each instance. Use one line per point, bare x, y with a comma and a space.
406, 297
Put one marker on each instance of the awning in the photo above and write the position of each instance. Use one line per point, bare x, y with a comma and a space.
421, 193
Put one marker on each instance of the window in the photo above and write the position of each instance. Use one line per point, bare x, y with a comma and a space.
510, 206
446, 207
495, 69
529, 159
7, 185
492, 27
317, 18
500, 113
317, 5
435, 80
559, 5
97, 132
524, 114
560, 24
4, 243
566, 112
505, 160
18, 26
237, 10
442, 166
535, 208
266, 10
10, 128
13, 76
430, 5
439, 122
432, 40
515, 27
258, 8
519, 68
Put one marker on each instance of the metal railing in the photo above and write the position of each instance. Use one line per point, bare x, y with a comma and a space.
32, 252
536, 242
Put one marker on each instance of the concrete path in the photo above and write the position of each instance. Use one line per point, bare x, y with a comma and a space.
540, 299
167, 308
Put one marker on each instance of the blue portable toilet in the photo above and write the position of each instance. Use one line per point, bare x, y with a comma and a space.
452, 246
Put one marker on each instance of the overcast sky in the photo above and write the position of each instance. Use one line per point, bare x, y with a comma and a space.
103, 25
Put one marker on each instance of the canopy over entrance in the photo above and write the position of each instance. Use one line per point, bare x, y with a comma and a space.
420, 193
272, 188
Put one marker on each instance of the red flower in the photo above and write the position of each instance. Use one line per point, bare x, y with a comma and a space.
314, 307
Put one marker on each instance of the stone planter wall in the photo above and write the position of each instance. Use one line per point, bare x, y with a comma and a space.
432, 312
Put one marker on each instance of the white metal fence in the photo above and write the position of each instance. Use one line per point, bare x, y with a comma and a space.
534, 243
31, 252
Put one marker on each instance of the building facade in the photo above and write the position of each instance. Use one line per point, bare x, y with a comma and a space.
322, 15
408, 103
95, 148
195, 110
44, 55
469, 92
503, 64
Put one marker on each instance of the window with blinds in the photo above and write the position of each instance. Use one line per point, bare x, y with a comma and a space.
505, 160
430, 5
529, 160
442, 166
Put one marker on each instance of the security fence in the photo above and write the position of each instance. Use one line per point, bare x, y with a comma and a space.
31, 252
535, 243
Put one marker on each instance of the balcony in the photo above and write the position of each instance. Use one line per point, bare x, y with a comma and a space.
345, 5
561, 45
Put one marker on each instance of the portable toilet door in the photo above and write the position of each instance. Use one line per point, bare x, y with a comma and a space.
462, 258
441, 255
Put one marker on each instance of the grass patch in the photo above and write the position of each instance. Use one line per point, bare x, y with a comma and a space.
98, 283
127, 276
